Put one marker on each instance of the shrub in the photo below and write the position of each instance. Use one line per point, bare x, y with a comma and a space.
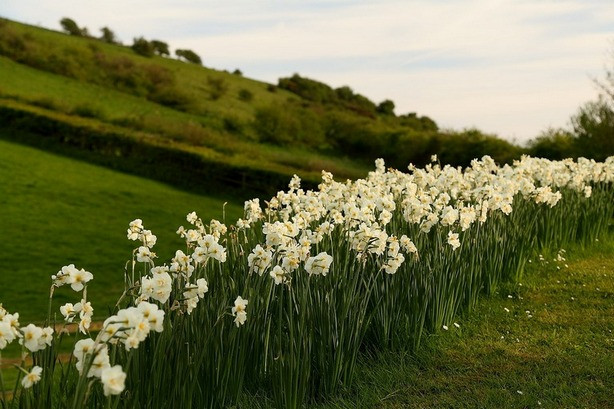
142, 47
309, 89
422, 123
172, 97
593, 126
46, 102
217, 87
553, 144
108, 36
232, 124
386, 107
87, 111
245, 95
289, 125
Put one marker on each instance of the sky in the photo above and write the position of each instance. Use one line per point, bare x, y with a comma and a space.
512, 68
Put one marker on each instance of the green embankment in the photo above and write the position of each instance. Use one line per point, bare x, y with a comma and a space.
56, 211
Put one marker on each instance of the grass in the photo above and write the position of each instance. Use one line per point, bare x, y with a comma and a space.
57, 211
553, 349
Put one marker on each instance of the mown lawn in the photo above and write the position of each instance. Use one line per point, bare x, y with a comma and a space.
548, 343
56, 211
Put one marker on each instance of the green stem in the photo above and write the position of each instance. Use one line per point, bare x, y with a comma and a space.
2, 382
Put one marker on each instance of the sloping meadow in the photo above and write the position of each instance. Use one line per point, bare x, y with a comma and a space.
283, 301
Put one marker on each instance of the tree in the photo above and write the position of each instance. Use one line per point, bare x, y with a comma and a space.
386, 107
108, 36
142, 47
553, 144
70, 26
189, 56
160, 47
593, 124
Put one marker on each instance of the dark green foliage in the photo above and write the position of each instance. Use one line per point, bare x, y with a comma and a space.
553, 144
217, 87
593, 126
70, 26
592, 133
108, 36
46, 102
459, 148
271, 88
409, 139
189, 56
289, 125
422, 123
360, 105
386, 107
86, 111
238, 72
232, 124
160, 48
308, 89
319, 92
142, 47
245, 95
121, 151
352, 135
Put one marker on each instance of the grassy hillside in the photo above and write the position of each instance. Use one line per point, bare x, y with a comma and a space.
301, 126
57, 211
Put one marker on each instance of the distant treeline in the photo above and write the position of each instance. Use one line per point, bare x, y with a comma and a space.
140, 45
344, 122
591, 134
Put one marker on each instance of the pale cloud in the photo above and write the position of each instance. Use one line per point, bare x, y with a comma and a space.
505, 66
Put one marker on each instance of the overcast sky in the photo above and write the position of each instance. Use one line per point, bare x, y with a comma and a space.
508, 67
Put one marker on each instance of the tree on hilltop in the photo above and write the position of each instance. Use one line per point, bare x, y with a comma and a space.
70, 26
593, 124
189, 56
160, 47
142, 47
108, 36
386, 107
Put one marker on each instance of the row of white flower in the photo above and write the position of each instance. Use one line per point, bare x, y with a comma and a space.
293, 224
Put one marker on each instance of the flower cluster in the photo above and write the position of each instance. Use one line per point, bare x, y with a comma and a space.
32, 337
77, 279
239, 311
83, 310
132, 325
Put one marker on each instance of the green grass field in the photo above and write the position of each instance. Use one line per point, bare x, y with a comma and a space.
56, 211
554, 348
